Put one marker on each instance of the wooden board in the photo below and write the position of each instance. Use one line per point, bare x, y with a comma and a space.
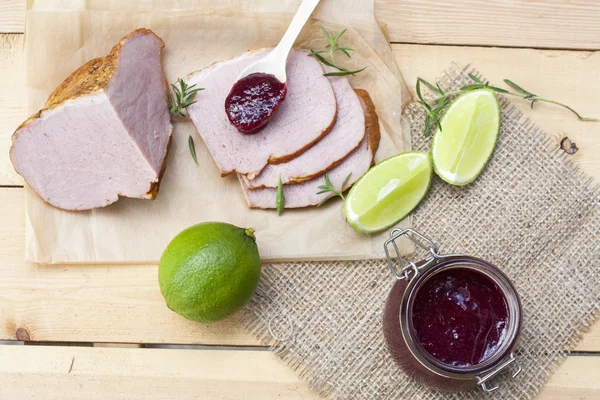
12, 100
28, 372
102, 303
12, 16
122, 304
36, 372
96, 303
571, 24
548, 73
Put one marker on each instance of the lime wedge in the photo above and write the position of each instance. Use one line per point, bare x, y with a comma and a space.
386, 193
470, 129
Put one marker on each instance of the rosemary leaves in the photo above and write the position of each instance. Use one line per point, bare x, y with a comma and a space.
435, 106
330, 50
182, 97
192, 148
280, 197
333, 192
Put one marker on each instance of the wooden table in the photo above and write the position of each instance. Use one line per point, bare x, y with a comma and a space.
89, 331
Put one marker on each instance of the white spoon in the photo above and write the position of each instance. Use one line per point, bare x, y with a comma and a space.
274, 63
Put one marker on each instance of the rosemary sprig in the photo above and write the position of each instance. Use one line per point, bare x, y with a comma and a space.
434, 107
330, 50
182, 96
192, 148
534, 98
280, 197
329, 188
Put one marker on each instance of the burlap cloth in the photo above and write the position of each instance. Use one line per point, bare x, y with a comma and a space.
531, 212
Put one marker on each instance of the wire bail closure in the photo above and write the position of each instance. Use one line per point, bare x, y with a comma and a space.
409, 270
403, 270
481, 380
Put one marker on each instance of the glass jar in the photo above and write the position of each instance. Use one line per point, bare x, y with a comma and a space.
437, 311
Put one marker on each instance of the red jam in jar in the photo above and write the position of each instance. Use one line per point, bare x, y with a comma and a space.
453, 325
253, 100
460, 317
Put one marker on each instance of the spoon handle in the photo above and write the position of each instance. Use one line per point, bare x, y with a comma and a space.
302, 15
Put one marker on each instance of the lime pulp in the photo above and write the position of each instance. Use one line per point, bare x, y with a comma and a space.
470, 129
388, 192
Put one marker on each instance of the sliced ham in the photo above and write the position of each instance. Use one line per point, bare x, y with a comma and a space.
344, 137
104, 132
305, 194
307, 114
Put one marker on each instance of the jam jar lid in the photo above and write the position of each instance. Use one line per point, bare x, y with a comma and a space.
424, 339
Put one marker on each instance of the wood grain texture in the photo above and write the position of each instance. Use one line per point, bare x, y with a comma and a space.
12, 100
117, 374
102, 303
103, 373
122, 303
96, 303
576, 378
569, 24
573, 24
567, 76
12, 16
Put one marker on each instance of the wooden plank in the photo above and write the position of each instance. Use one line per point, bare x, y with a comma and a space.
12, 16
571, 24
566, 76
102, 303
97, 303
12, 99
64, 373
551, 73
518, 23
577, 379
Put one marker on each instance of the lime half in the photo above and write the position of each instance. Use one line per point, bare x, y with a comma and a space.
386, 193
470, 129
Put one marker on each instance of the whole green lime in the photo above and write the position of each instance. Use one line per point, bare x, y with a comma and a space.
209, 271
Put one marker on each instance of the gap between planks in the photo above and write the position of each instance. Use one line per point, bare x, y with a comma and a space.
122, 303
90, 303
562, 75
572, 24
495, 46
102, 303
566, 76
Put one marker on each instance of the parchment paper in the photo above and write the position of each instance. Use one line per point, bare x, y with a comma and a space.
62, 35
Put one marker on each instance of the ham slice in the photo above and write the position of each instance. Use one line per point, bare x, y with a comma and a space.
104, 132
305, 194
345, 136
306, 115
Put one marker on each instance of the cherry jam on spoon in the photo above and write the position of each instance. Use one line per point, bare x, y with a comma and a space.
253, 100
261, 87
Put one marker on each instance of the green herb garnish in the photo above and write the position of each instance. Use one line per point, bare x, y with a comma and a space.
330, 50
182, 97
192, 148
280, 198
434, 107
329, 188
534, 98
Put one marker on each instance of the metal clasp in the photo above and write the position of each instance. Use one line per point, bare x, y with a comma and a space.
481, 380
410, 270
